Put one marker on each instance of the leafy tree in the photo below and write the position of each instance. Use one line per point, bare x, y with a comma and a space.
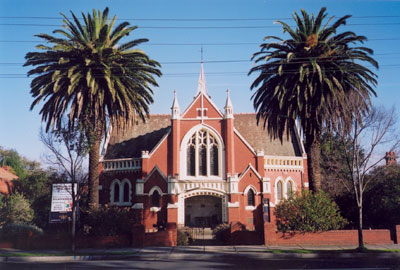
315, 76
383, 205
90, 76
308, 212
15, 209
19, 164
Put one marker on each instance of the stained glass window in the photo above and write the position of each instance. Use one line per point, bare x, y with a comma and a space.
202, 155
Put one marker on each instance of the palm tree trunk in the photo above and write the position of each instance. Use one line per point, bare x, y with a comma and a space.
313, 162
94, 156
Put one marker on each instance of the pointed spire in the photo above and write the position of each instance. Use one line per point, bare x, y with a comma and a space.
202, 88
228, 106
175, 109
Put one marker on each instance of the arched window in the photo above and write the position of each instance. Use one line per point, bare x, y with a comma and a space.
126, 192
279, 190
191, 157
116, 192
289, 188
250, 198
120, 192
202, 154
155, 199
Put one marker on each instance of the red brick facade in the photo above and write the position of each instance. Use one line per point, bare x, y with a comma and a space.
202, 153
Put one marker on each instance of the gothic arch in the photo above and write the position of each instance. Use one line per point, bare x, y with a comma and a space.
184, 154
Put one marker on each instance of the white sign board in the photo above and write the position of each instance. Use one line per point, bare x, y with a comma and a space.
61, 198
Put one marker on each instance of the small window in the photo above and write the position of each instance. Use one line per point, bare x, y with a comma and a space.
155, 199
250, 198
205, 113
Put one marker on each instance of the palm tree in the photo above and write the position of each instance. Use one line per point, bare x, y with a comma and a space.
89, 76
316, 77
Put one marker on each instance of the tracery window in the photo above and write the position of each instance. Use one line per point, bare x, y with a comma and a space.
202, 154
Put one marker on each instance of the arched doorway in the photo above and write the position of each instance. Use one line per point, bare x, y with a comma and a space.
203, 211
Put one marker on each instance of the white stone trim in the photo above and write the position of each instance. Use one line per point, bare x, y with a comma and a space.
159, 143
156, 168
233, 205
202, 192
244, 141
154, 189
284, 187
266, 182
250, 208
252, 188
247, 169
173, 206
155, 209
137, 206
121, 184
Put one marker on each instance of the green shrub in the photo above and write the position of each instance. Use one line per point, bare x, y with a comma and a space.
109, 221
221, 232
13, 231
15, 209
308, 212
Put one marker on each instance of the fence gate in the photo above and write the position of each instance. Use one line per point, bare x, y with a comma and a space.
198, 236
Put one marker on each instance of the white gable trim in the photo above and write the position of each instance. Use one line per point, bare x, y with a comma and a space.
156, 188
159, 143
247, 169
190, 105
156, 168
244, 141
209, 99
214, 105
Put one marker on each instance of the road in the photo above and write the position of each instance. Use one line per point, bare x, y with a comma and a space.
225, 261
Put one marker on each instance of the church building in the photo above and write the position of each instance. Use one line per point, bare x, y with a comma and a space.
201, 166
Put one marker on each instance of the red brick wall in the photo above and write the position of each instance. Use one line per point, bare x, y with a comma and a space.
329, 238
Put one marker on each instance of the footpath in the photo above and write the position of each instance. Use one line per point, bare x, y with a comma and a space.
158, 253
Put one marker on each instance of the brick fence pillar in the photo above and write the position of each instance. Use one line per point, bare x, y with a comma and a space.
269, 234
397, 239
172, 234
138, 235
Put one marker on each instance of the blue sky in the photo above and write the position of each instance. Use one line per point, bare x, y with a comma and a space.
228, 45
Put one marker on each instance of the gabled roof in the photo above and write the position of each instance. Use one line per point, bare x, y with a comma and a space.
259, 139
6, 175
137, 138
6, 180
